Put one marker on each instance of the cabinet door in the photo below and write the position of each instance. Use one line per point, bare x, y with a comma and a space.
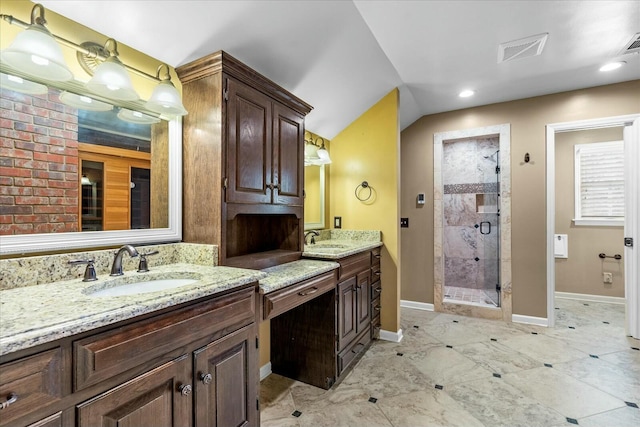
347, 320
156, 398
226, 378
248, 131
363, 301
288, 156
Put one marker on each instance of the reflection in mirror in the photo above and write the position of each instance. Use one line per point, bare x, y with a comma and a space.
69, 171
314, 188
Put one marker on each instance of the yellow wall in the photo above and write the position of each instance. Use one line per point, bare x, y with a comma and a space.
73, 31
369, 150
528, 119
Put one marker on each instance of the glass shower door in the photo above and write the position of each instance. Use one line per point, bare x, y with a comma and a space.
489, 229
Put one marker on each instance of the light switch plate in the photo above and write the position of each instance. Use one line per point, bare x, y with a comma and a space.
337, 222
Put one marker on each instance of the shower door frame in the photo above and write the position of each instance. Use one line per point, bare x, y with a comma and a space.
504, 312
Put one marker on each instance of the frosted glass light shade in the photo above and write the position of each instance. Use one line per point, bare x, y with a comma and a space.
136, 117
166, 99
111, 80
35, 52
18, 84
84, 102
323, 154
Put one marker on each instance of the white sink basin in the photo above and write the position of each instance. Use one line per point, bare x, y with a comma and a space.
142, 287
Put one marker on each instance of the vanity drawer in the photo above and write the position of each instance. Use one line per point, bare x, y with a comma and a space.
375, 257
354, 264
30, 383
375, 307
139, 347
376, 288
348, 355
285, 299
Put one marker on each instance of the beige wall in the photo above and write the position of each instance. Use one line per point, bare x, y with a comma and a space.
581, 273
528, 119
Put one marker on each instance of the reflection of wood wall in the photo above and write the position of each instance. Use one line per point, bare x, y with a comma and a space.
160, 175
117, 181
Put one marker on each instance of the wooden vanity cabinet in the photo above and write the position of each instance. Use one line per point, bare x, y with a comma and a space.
376, 292
243, 151
196, 365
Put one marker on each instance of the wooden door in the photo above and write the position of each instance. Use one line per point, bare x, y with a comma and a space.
226, 378
346, 313
363, 301
155, 398
288, 156
248, 130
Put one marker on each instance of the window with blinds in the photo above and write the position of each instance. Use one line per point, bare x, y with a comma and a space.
599, 183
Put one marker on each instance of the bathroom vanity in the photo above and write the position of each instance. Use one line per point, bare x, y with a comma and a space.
159, 358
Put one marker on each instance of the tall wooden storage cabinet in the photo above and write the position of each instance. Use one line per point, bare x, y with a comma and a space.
243, 155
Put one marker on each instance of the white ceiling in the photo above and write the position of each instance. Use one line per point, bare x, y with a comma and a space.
343, 56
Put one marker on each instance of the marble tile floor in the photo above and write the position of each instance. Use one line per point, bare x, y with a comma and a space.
467, 295
458, 371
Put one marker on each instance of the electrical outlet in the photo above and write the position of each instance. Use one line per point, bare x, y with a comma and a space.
337, 222
607, 277
404, 222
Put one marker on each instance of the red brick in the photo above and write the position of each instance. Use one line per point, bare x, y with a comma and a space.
17, 116
61, 167
71, 226
73, 127
48, 192
31, 200
71, 176
56, 158
48, 122
71, 193
41, 148
15, 172
6, 180
6, 123
72, 160
71, 209
43, 228
48, 175
69, 118
48, 140
26, 127
65, 201
29, 182
49, 105
49, 209
64, 184
57, 227
11, 229
15, 191
7, 200
11, 210
63, 218
13, 134
6, 162
27, 219
53, 149
6, 142
6, 103
6, 219
17, 96
15, 153
30, 109
30, 164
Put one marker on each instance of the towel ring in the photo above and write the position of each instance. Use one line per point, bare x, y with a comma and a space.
366, 185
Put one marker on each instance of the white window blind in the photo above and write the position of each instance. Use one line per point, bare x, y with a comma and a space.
599, 180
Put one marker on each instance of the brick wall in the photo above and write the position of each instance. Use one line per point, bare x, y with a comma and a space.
38, 164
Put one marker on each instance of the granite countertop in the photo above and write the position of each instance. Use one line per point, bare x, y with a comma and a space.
42, 313
338, 248
283, 275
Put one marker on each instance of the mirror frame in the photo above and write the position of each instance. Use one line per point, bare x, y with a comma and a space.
29, 243
321, 224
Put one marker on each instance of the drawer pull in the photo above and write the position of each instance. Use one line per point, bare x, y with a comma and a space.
205, 378
377, 290
377, 273
11, 398
309, 292
377, 256
377, 308
185, 389
360, 346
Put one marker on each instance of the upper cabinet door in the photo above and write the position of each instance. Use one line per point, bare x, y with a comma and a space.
288, 160
249, 162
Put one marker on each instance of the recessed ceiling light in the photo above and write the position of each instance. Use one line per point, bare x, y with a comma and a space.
612, 66
466, 93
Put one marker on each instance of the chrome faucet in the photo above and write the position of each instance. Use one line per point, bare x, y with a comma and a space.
116, 268
313, 233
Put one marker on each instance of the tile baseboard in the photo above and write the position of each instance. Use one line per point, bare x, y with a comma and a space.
265, 371
592, 298
391, 336
417, 305
530, 320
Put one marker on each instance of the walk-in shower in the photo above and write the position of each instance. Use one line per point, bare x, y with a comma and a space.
471, 223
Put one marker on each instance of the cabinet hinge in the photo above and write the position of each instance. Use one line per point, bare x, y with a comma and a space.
257, 342
225, 182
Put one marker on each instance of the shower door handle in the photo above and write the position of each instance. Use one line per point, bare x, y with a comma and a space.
482, 229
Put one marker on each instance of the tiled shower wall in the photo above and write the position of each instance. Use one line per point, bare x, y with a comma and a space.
470, 194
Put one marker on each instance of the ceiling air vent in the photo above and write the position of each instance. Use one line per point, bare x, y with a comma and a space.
633, 46
522, 48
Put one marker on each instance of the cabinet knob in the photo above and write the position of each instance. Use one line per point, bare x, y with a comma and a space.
11, 398
185, 389
205, 378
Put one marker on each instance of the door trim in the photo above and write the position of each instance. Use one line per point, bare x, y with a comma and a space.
633, 305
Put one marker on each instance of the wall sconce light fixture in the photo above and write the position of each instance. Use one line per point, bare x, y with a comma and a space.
36, 53
315, 152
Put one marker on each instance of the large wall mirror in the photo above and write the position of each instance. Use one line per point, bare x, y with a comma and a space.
78, 177
314, 189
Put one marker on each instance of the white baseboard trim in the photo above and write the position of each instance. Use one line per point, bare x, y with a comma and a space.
265, 371
391, 336
530, 320
416, 305
592, 298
